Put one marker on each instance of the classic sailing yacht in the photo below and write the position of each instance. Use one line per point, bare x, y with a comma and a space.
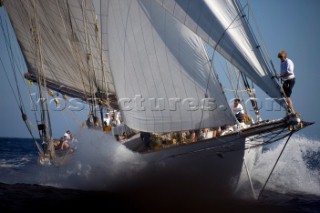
149, 59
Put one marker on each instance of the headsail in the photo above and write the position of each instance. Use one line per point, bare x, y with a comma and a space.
69, 44
221, 24
162, 74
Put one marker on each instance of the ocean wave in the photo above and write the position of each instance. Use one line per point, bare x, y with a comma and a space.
16, 162
297, 171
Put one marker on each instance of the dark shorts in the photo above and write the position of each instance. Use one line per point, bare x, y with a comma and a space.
288, 85
240, 117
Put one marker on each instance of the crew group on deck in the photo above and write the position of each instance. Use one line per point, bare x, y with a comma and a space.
153, 141
162, 140
66, 142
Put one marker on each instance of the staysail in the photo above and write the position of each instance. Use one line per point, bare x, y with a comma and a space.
162, 74
69, 41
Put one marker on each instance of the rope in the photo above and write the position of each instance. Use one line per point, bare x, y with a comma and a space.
19, 98
274, 165
265, 50
260, 35
249, 176
218, 42
213, 54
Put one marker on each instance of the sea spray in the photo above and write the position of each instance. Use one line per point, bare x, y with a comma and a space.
296, 171
98, 163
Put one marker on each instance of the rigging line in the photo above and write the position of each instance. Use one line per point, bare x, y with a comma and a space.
90, 57
7, 37
62, 49
41, 69
11, 57
27, 123
74, 49
99, 39
25, 26
261, 191
32, 7
105, 48
76, 64
54, 44
253, 35
261, 37
241, 90
230, 78
279, 136
125, 26
272, 137
233, 90
211, 67
255, 146
220, 39
238, 81
13, 91
88, 53
261, 136
249, 177
98, 46
252, 96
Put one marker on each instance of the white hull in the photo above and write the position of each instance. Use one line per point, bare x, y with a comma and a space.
213, 164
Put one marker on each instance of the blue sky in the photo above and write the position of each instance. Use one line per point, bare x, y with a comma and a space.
290, 25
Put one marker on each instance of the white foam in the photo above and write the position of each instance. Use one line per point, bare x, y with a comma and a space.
99, 162
15, 163
292, 173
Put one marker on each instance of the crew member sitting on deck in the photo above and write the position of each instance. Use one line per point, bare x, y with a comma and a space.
68, 135
64, 143
90, 121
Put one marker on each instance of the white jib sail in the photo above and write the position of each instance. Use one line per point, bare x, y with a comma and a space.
220, 24
162, 75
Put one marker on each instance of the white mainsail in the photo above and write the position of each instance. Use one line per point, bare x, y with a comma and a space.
69, 43
162, 74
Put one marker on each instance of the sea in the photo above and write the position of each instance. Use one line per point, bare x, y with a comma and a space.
101, 171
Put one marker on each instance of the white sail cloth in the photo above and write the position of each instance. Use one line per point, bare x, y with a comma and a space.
69, 43
161, 70
220, 24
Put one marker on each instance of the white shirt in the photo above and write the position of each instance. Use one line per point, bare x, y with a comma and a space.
107, 120
238, 109
67, 136
287, 67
